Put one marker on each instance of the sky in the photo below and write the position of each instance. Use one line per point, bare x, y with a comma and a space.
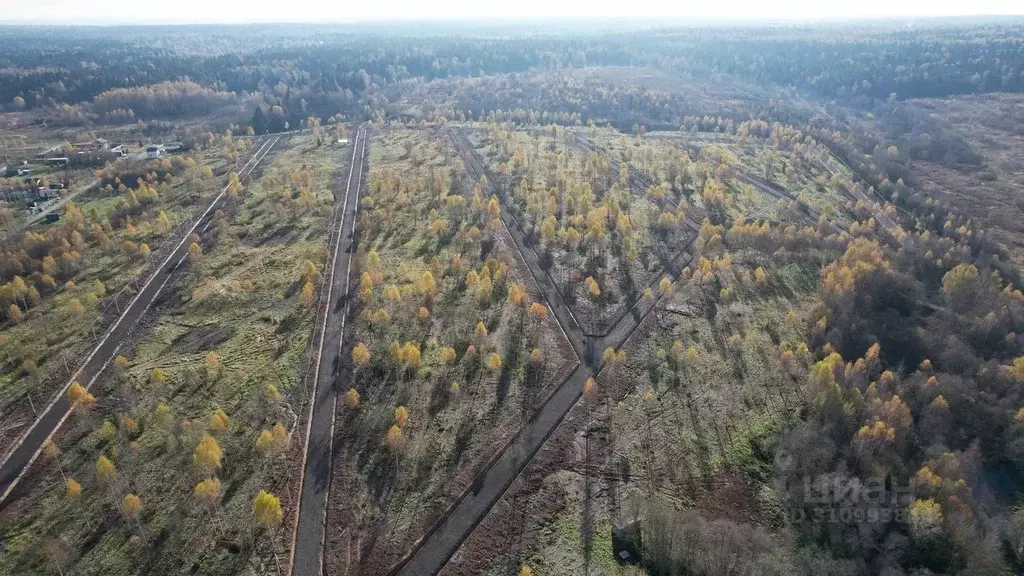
239, 11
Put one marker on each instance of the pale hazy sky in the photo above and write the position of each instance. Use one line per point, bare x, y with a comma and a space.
189, 11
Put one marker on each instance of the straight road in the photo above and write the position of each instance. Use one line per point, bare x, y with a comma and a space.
307, 548
451, 530
28, 447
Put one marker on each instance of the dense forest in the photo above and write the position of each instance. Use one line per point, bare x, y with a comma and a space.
326, 70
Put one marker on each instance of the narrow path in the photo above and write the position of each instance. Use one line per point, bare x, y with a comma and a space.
307, 546
30, 444
451, 530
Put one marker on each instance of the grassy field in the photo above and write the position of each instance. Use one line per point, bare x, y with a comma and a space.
454, 359
229, 335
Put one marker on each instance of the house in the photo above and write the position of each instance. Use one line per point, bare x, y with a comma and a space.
154, 150
100, 147
97, 145
12, 194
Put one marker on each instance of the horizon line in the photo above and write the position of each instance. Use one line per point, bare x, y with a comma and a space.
501, 21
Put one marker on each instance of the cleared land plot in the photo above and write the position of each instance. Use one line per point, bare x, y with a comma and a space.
681, 423
443, 352
106, 263
584, 222
609, 213
230, 334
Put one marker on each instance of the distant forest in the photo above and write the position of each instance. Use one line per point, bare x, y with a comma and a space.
293, 72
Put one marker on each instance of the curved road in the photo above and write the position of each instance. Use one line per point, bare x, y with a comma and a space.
29, 445
306, 556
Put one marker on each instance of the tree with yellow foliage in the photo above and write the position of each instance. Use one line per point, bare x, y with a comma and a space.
448, 355
392, 293
352, 398
536, 356
266, 510
157, 376
612, 359
361, 355
307, 293
665, 285
105, 470
366, 287
961, 286
234, 189
401, 416
207, 455
408, 355
426, 285
394, 437
79, 397
1016, 370
131, 506
208, 491
925, 520
52, 452
14, 313
538, 312
480, 331
517, 294
195, 255
272, 441
75, 307
72, 489
219, 420
493, 362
